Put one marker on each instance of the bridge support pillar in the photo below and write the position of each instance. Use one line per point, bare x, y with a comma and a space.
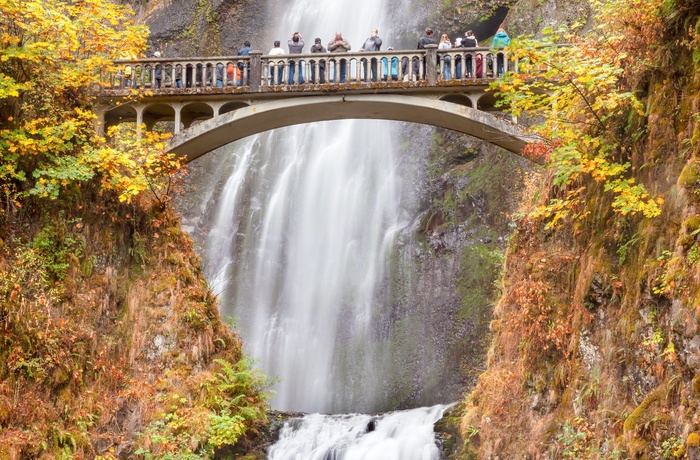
255, 70
431, 72
139, 120
178, 117
99, 122
475, 100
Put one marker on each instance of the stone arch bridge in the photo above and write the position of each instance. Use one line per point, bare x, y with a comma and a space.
217, 100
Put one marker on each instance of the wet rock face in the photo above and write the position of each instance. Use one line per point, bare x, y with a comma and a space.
204, 28
526, 17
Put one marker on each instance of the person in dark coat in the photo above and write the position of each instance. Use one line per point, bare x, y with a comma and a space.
245, 51
158, 73
296, 46
373, 43
317, 47
469, 41
426, 39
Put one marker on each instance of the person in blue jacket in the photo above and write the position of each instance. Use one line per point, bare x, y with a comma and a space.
245, 51
394, 67
500, 40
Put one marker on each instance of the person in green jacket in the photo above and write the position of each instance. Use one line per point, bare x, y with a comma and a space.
500, 40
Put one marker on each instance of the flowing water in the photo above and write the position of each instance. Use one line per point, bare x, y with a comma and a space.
405, 435
298, 248
303, 230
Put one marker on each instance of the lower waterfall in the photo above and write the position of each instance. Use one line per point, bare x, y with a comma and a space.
404, 435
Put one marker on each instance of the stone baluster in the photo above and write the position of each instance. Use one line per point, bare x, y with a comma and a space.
431, 62
255, 70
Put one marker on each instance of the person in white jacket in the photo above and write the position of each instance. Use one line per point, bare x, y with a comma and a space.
445, 59
279, 66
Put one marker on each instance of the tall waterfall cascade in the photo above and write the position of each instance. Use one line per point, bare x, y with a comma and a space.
303, 232
300, 248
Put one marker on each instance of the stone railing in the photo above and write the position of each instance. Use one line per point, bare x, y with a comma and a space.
263, 72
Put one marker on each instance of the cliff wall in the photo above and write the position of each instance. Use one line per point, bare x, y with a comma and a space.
596, 334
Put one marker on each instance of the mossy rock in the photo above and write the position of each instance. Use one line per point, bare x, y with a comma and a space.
636, 448
642, 412
690, 175
447, 430
696, 384
691, 224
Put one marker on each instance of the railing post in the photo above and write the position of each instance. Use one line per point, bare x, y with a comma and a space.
255, 70
431, 72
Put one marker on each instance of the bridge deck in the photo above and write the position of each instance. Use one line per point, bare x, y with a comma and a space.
243, 95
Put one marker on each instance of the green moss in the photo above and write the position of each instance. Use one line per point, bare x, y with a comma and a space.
642, 413
691, 224
479, 268
689, 175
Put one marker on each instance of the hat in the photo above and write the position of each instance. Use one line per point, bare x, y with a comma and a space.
391, 48
317, 40
156, 54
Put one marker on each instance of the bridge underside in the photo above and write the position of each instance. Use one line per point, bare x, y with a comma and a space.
223, 129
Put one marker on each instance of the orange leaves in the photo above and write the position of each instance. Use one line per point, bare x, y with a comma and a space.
543, 326
537, 151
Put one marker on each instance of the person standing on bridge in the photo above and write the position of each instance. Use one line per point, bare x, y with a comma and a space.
469, 41
317, 47
340, 45
500, 40
445, 44
394, 67
158, 71
296, 46
245, 51
373, 43
426, 39
276, 66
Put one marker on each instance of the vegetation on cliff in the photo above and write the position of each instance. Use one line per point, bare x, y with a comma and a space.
112, 345
597, 343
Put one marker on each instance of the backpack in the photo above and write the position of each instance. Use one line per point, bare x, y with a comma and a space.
468, 42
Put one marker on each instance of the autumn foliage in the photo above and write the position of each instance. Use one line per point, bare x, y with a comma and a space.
590, 358
111, 341
583, 93
51, 53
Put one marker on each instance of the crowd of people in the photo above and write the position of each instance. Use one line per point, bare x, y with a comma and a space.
296, 44
339, 44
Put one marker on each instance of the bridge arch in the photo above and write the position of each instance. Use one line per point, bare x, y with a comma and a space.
121, 114
154, 113
196, 111
223, 129
461, 99
231, 106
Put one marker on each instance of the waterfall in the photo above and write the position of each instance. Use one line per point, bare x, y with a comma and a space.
303, 234
405, 435
301, 242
